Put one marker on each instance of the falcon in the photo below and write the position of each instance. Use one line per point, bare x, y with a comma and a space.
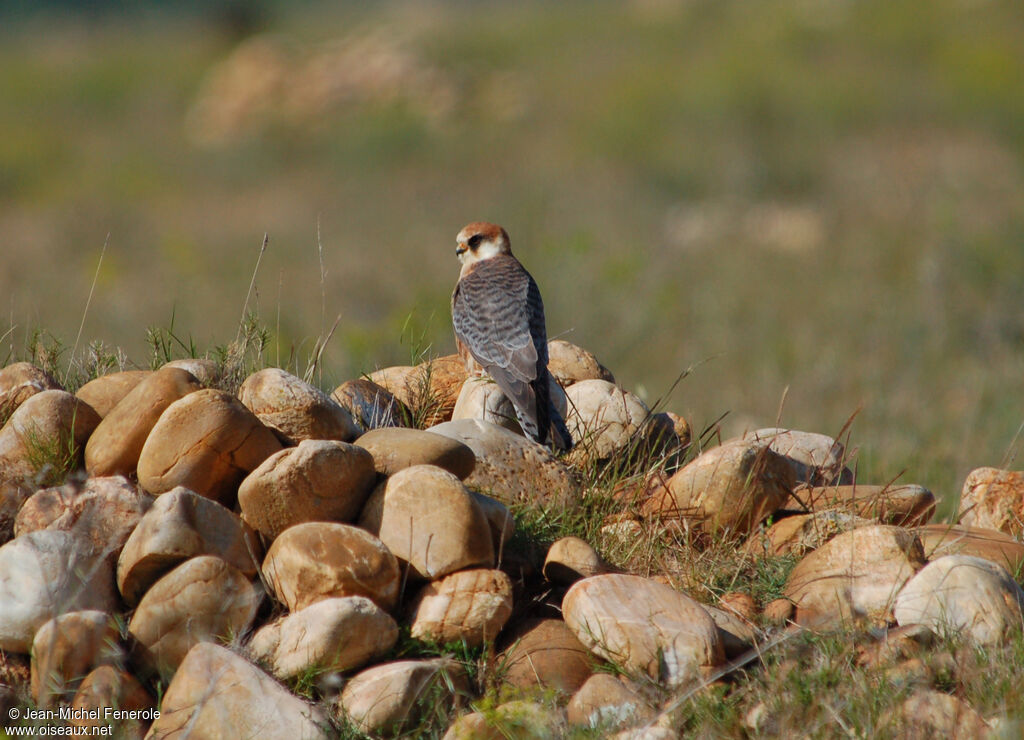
499, 325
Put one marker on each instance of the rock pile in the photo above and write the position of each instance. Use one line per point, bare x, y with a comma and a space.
248, 551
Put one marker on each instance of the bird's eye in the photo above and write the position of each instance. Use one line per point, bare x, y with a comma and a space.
474, 241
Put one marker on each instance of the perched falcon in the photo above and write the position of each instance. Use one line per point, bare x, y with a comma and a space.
499, 323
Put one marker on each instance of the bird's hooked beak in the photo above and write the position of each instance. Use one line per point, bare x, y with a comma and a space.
460, 249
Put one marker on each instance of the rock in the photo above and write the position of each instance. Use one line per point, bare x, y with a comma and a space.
993, 499
737, 635
215, 693
203, 599
332, 635
729, 488
429, 390
961, 592
739, 603
294, 409
107, 690
569, 363
799, 534
207, 372
602, 418
103, 511
13, 495
991, 544
934, 714
44, 437
816, 459
545, 653
207, 442
19, 382
66, 648
370, 405
428, 519
105, 392
318, 560
44, 574
395, 448
904, 506
115, 446
510, 467
470, 606
644, 627
570, 559
856, 574
481, 398
181, 525
513, 719
388, 698
500, 519
608, 703
317, 481
779, 611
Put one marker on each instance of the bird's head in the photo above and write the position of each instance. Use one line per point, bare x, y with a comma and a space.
481, 240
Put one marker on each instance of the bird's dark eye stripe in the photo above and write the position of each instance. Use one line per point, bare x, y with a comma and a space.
474, 241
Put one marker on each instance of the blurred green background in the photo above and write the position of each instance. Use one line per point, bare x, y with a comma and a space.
821, 196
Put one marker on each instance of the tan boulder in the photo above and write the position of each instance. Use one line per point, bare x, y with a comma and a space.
429, 390
607, 702
510, 467
470, 606
19, 382
929, 714
332, 635
66, 648
739, 603
396, 448
218, 694
388, 699
500, 519
370, 405
963, 593
816, 459
207, 372
47, 573
602, 418
320, 480
103, 511
644, 627
513, 719
106, 692
115, 446
546, 653
856, 574
319, 560
294, 409
203, 599
207, 442
991, 544
729, 488
569, 363
428, 519
993, 499
904, 505
569, 559
799, 534
106, 391
45, 436
179, 526
481, 398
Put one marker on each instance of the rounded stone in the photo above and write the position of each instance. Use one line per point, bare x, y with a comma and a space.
993, 499
904, 506
396, 448
203, 599
991, 544
645, 627
207, 372
816, 459
607, 702
207, 442
602, 418
429, 390
48, 429
105, 392
319, 560
20, 381
317, 481
115, 446
179, 526
470, 606
294, 409
569, 559
66, 648
546, 653
111, 687
371, 406
428, 519
569, 363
